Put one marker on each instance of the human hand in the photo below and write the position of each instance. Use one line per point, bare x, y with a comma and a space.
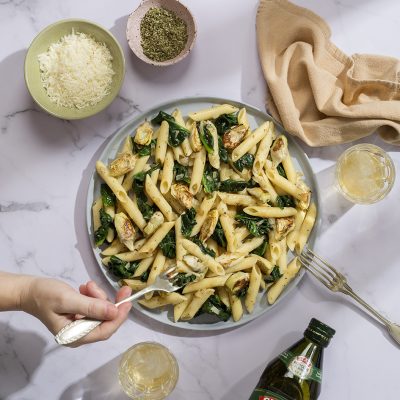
57, 304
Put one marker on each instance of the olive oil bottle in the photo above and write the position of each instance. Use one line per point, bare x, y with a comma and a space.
296, 374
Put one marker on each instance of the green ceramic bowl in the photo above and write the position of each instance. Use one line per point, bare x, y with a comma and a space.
52, 34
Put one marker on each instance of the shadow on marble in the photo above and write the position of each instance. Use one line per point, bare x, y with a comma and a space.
21, 353
101, 384
333, 205
243, 388
253, 84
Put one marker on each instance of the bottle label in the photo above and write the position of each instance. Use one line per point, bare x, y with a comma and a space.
262, 394
301, 367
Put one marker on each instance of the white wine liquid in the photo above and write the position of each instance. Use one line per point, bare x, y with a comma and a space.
364, 175
148, 371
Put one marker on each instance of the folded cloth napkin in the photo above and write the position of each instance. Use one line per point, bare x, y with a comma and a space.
320, 94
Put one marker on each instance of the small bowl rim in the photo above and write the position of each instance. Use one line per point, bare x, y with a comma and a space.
172, 61
118, 85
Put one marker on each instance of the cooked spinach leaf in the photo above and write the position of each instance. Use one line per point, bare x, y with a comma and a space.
244, 162
141, 176
281, 170
242, 292
107, 196
177, 133
122, 269
219, 235
202, 246
260, 250
274, 276
257, 226
230, 185
215, 306
142, 201
101, 233
223, 152
145, 275
168, 245
206, 137
181, 173
210, 179
143, 150
224, 122
285, 201
182, 279
188, 222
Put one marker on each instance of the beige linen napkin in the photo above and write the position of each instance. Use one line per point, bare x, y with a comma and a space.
319, 93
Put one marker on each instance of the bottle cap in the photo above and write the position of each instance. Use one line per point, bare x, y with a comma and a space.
319, 332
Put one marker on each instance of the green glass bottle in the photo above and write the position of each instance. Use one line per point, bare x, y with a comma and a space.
296, 373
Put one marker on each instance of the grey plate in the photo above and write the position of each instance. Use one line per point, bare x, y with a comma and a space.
256, 117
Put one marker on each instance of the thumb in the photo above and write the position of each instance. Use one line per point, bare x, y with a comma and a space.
91, 307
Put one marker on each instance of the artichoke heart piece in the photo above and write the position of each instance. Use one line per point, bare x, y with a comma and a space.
238, 283
260, 195
156, 220
209, 225
194, 263
304, 203
181, 192
283, 226
279, 150
234, 136
125, 230
144, 134
194, 138
124, 163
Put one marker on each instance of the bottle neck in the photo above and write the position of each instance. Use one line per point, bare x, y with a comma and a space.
316, 338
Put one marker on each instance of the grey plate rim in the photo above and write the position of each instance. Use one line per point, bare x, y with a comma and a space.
161, 315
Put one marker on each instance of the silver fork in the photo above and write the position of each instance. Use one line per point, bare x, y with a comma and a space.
337, 282
81, 327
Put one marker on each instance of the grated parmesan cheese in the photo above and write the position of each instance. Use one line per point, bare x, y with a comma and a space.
76, 71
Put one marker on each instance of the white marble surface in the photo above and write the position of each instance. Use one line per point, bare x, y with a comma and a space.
44, 169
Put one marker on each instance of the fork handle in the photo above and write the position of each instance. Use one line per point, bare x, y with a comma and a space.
81, 327
349, 291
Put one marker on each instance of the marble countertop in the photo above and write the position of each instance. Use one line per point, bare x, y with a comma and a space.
44, 170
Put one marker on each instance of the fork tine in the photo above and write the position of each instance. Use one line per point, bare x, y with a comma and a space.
318, 262
317, 274
170, 273
313, 268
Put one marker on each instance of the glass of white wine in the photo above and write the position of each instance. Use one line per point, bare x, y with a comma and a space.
365, 174
148, 371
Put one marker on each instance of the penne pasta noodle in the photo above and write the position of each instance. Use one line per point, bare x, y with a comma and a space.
153, 192
153, 241
306, 228
167, 172
206, 283
213, 112
198, 299
198, 169
129, 206
277, 288
143, 266
201, 214
270, 212
254, 287
162, 300
237, 199
264, 148
208, 261
180, 307
253, 139
162, 142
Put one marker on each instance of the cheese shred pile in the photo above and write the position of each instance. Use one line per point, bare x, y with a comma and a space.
76, 71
